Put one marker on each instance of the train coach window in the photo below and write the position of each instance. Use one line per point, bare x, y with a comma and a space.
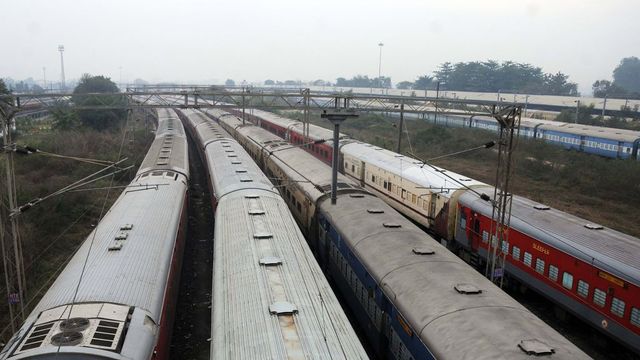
617, 307
373, 179
583, 288
385, 184
540, 266
505, 247
413, 198
553, 273
353, 168
635, 316
527, 258
515, 251
567, 280
599, 297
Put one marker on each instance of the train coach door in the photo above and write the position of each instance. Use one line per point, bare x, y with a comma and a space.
432, 210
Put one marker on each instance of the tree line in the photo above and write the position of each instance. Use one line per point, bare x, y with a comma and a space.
625, 84
492, 76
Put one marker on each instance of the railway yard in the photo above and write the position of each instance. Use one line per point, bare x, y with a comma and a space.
385, 180
258, 262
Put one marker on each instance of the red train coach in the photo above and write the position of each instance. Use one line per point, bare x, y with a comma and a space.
590, 270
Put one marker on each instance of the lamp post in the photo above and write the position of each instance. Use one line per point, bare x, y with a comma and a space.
336, 117
62, 84
380, 45
577, 110
526, 103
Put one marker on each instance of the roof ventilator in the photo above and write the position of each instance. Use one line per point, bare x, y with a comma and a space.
256, 212
375, 211
391, 225
594, 226
357, 196
541, 207
535, 347
252, 196
270, 261
423, 250
282, 308
467, 289
262, 235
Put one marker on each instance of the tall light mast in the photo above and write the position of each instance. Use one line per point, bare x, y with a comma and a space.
62, 85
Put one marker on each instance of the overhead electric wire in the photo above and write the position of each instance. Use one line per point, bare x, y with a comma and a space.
95, 231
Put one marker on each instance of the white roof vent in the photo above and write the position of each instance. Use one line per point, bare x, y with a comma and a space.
535, 347
270, 261
541, 207
282, 308
594, 226
467, 289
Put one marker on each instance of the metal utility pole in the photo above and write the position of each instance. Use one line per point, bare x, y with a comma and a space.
336, 117
44, 78
62, 84
10, 245
604, 105
380, 45
526, 104
243, 105
509, 120
577, 110
305, 119
401, 125
435, 114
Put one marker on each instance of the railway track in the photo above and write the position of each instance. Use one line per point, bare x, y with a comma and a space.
192, 328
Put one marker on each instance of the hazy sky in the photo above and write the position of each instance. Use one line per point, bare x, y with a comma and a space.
202, 41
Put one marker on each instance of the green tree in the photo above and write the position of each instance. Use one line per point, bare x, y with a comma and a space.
444, 72
269, 82
99, 119
405, 85
584, 116
424, 82
64, 118
3, 88
602, 88
230, 82
627, 74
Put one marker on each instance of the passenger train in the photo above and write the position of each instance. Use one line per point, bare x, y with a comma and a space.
116, 297
598, 140
412, 297
587, 269
270, 297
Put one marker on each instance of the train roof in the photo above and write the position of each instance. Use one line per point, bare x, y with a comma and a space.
431, 178
594, 131
169, 150
264, 263
578, 129
312, 176
254, 277
427, 283
315, 132
131, 271
610, 250
169, 123
231, 168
